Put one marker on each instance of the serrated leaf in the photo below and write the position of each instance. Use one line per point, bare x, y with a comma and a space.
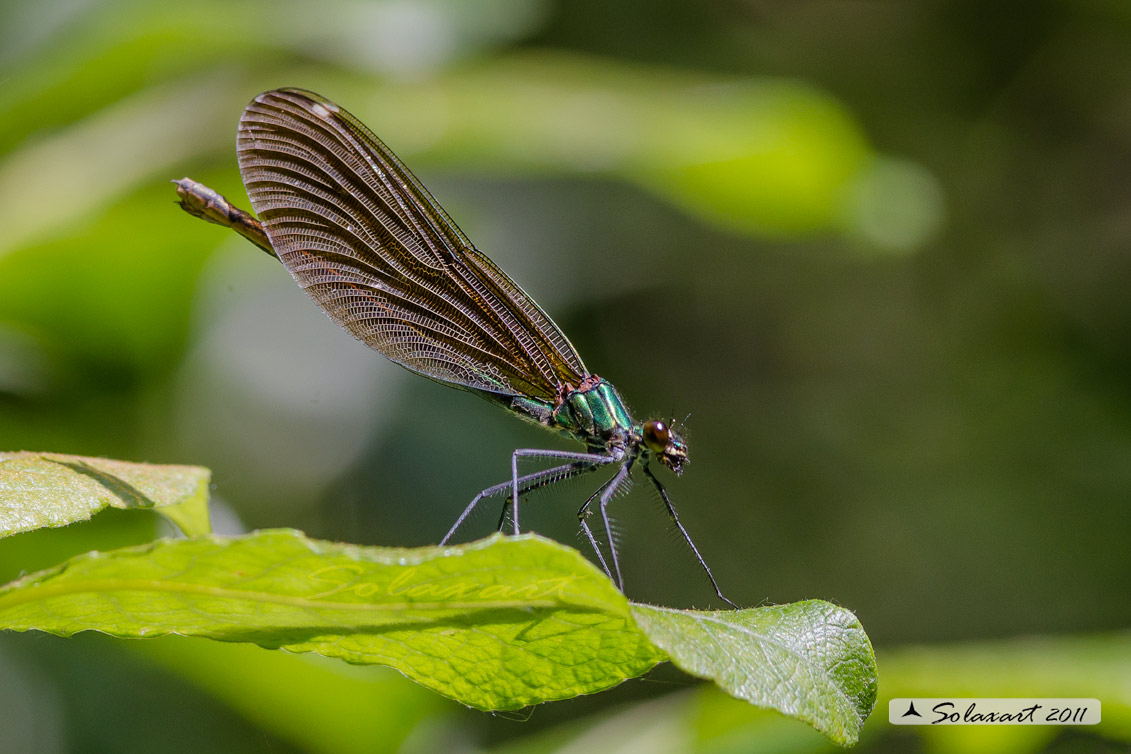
498, 624
810, 660
40, 490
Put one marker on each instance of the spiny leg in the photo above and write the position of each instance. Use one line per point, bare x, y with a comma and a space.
596, 548
606, 492
607, 495
530, 482
504, 511
582, 512
675, 518
596, 459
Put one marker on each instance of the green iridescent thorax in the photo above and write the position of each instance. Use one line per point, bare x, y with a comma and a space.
595, 414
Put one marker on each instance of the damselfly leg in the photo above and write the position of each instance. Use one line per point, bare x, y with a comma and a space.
605, 493
679, 525
580, 463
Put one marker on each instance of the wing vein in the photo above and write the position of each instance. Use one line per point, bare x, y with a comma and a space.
376, 252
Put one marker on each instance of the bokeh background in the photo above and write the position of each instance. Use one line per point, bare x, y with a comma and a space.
878, 251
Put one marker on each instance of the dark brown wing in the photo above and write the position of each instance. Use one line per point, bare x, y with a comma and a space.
374, 250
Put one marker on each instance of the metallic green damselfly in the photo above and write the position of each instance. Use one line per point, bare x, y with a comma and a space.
372, 248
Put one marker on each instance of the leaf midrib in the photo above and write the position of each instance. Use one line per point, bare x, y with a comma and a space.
100, 586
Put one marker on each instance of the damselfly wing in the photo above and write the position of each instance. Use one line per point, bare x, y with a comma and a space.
376, 252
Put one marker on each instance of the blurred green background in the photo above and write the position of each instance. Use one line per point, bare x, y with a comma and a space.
879, 251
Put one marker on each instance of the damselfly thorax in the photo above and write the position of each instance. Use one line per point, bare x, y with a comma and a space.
594, 413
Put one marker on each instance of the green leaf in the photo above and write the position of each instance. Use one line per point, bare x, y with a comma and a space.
320, 705
191, 516
40, 490
810, 660
497, 624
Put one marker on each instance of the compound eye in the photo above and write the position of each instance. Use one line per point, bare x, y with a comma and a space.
657, 436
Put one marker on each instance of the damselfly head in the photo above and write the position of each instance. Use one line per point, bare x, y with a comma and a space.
666, 443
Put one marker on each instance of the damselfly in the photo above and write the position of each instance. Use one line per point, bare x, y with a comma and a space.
372, 248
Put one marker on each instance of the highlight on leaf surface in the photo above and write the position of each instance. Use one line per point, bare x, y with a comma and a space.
497, 624
40, 490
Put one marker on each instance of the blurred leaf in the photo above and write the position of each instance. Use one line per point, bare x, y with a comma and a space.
759, 156
323, 706
498, 624
108, 154
1095, 667
191, 516
43, 548
656, 726
987, 739
116, 47
703, 720
723, 725
52, 489
810, 660
110, 301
